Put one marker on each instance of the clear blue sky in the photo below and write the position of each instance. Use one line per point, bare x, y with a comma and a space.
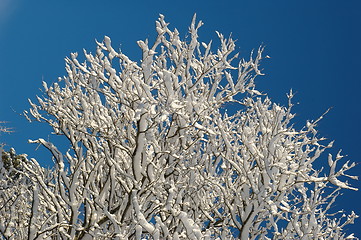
315, 49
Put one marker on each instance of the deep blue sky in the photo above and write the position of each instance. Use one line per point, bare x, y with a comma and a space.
314, 47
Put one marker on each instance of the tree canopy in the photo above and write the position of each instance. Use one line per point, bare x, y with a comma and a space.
180, 145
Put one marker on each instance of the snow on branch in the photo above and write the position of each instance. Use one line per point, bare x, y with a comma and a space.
153, 152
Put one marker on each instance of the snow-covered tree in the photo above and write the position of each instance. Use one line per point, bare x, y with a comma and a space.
154, 154
15, 193
15, 196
